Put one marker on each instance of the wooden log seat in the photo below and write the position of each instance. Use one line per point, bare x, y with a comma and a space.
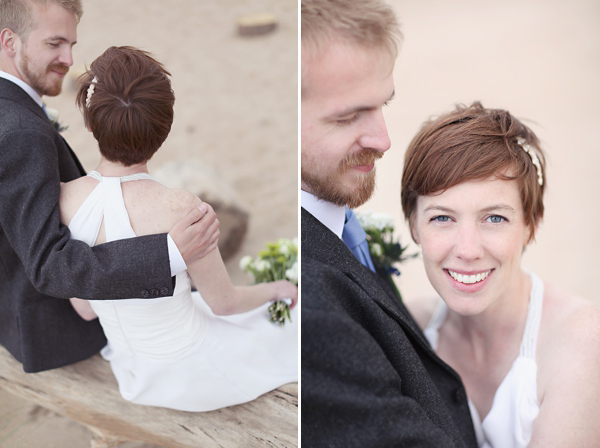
87, 393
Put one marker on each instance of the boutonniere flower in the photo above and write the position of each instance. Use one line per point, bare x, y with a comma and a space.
53, 116
385, 249
279, 261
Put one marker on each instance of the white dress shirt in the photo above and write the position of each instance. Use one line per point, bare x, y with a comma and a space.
330, 215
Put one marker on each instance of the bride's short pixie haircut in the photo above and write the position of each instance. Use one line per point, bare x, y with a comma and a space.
470, 144
129, 108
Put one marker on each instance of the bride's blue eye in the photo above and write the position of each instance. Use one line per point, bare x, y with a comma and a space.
496, 219
441, 218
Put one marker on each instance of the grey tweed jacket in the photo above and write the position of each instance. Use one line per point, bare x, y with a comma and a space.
369, 377
39, 265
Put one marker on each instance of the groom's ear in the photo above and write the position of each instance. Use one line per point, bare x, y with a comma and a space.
8, 42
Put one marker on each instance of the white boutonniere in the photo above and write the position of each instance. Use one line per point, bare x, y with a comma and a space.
383, 246
386, 251
279, 261
53, 116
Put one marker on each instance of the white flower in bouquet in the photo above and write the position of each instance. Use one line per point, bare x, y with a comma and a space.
277, 262
262, 266
245, 262
292, 273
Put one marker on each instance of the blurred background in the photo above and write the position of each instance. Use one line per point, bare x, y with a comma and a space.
236, 115
540, 59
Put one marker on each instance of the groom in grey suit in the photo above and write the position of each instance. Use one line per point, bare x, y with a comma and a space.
369, 377
39, 263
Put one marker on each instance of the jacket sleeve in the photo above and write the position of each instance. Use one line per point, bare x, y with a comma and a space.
56, 265
351, 394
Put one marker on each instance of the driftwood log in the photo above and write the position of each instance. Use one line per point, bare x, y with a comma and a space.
202, 180
87, 392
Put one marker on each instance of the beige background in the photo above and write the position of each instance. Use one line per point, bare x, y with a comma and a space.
540, 59
236, 110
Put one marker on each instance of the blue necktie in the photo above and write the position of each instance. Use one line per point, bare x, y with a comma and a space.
355, 238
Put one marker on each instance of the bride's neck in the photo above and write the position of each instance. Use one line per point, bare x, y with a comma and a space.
115, 169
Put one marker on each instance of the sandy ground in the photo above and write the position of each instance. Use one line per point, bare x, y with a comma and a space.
236, 110
540, 60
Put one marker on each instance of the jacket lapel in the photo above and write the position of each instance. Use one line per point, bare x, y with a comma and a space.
323, 245
13, 92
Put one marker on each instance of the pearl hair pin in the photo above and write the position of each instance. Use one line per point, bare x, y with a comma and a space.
534, 158
90, 92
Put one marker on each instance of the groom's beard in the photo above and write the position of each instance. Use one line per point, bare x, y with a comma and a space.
329, 187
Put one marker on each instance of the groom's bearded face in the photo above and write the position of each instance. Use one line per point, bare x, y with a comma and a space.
344, 89
329, 185
44, 55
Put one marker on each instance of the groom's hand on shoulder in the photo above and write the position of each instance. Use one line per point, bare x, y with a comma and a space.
197, 233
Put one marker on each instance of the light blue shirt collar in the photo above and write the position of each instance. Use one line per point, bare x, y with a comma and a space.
22, 84
330, 215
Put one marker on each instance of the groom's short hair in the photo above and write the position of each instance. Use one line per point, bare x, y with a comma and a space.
17, 15
127, 102
368, 23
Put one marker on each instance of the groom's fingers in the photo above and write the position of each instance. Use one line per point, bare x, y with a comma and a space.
197, 233
194, 215
211, 237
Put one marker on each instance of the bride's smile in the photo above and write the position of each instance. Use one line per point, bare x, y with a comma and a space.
472, 236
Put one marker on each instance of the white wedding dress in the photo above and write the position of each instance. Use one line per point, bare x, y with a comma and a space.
173, 351
509, 423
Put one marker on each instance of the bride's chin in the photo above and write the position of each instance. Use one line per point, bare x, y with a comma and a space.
465, 306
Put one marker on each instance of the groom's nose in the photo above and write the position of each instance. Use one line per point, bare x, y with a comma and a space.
375, 134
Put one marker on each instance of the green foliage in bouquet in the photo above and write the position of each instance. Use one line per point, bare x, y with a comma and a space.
279, 261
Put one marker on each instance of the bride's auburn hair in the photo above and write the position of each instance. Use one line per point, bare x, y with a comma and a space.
470, 144
129, 106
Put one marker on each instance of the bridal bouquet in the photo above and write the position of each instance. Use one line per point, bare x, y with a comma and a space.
279, 261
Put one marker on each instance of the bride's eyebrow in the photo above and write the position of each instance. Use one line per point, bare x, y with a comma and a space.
438, 208
499, 207
491, 208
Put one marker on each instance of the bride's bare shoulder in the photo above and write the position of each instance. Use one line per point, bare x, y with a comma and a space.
72, 195
568, 359
569, 335
156, 208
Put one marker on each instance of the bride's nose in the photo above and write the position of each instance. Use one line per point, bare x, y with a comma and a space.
468, 242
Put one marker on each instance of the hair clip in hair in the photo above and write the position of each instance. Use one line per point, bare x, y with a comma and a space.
90, 92
534, 158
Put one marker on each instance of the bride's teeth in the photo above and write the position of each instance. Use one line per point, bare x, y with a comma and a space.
468, 279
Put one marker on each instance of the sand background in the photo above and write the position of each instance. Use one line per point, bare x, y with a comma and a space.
236, 110
539, 59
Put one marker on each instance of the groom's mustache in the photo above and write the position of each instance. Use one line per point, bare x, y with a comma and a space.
363, 157
60, 68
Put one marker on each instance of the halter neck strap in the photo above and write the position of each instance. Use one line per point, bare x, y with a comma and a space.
136, 176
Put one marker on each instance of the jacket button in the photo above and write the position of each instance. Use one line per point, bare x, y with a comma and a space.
145, 293
459, 395
155, 292
164, 291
